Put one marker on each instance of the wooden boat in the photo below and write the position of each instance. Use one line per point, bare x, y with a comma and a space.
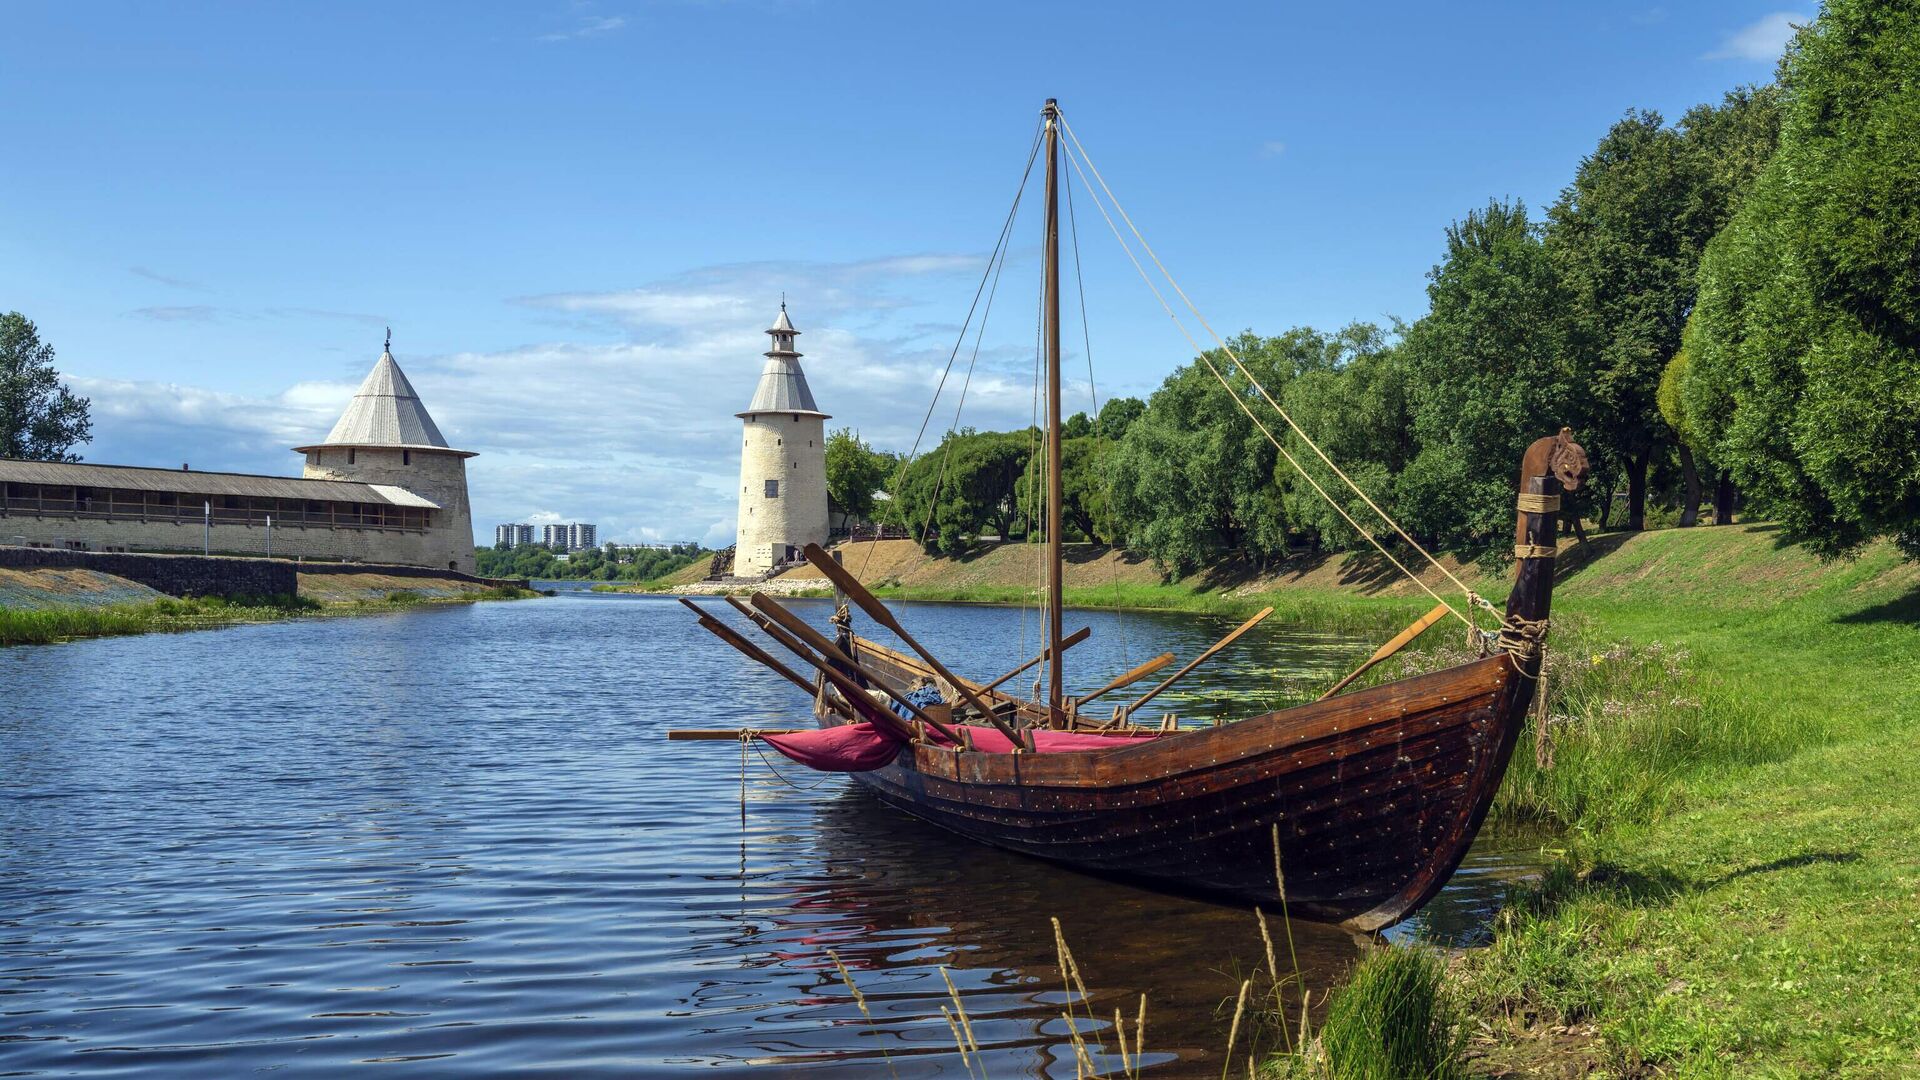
1372, 797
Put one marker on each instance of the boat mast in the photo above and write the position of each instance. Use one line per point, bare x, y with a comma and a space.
1052, 303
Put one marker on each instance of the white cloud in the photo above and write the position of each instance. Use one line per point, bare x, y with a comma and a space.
176, 313
1272, 148
165, 279
636, 434
1762, 40
591, 26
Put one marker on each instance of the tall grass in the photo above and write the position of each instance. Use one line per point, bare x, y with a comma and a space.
1395, 1019
35, 626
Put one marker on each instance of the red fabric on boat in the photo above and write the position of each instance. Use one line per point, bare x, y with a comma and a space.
863, 748
857, 747
989, 740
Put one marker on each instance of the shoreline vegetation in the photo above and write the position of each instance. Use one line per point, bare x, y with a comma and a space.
1733, 789
50, 625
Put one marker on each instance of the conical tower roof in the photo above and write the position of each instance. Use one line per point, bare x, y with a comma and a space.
783, 386
386, 411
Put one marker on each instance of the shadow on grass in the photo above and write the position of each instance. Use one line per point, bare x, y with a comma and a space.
1656, 887
1902, 609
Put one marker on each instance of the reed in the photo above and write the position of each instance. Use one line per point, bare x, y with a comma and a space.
860, 1000
1393, 1020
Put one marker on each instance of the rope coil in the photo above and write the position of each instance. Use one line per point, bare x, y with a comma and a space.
1533, 551
1530, 503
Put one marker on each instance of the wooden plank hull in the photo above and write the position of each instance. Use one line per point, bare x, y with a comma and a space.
1377, 794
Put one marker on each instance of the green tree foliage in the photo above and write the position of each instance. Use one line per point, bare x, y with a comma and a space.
964, 489
40, 419
1488, 370
854, 472
1673, 409
1194, 478
593, 564
1359, 412
1626, 237
1084, 488
1805, 377
1117, 415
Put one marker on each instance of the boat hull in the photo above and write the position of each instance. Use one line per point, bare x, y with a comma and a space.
1376, 794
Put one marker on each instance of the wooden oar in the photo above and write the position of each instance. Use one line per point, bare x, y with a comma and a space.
1129, 678
855, 697
726, 634
798, 627
1400, 641
1066, 643
727, 734
878, 612
1201, 659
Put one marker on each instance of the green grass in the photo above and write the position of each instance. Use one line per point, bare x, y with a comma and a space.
39, 626
36, 626
1395, 1018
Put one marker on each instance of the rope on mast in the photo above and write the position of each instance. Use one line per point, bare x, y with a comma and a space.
1474, 599
1006, 227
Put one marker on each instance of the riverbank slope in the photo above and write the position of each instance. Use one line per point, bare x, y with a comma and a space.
46, 604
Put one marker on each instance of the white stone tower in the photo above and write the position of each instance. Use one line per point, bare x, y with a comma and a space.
783, 462
386, 437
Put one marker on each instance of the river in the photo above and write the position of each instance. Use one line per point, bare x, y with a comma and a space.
453, 840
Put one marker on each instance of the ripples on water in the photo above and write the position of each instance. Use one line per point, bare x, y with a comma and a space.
456, 838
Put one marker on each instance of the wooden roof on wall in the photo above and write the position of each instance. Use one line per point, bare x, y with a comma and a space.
186, 482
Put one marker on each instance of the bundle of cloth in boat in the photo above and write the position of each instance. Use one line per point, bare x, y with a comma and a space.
862, 747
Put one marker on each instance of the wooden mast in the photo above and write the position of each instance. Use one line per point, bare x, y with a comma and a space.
1055, 681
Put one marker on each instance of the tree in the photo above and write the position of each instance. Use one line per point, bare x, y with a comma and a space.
1673, 409
1358, 412
1623, 248
1627, 237
854, 472
1488, 370
40, 419
963, 488
1117, 415
1806, 343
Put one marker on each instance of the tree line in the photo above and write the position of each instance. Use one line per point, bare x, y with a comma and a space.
1726, 310
607, 563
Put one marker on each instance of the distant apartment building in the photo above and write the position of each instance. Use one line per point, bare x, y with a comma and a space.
512, 536
571, 536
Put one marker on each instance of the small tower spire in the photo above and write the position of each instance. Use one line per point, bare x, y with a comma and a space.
388, 347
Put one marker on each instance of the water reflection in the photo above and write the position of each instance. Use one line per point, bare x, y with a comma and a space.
455, 840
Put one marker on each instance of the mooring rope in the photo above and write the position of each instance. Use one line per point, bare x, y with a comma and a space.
1473, 598
751, 735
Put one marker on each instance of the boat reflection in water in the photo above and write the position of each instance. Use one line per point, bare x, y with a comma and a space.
897, 899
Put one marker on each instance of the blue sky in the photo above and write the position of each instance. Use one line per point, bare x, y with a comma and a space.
578, 217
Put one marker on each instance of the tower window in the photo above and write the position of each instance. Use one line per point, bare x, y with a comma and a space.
349, 457
773, 489
779, 442
406, 457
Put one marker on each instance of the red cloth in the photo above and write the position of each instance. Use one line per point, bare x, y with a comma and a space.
846, 748
863, 747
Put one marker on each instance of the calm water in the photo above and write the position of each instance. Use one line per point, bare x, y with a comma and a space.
455, 841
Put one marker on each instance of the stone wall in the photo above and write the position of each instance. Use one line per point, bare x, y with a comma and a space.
421, 548
175, 575
201, 575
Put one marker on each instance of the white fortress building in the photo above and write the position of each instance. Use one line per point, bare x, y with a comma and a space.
382, 487
783, 462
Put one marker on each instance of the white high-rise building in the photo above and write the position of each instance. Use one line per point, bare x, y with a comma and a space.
783, 462
512, 536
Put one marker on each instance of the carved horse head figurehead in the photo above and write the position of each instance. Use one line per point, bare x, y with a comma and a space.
1566, 460
1557, 456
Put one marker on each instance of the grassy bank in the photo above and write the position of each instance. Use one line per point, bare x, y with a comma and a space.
40, 626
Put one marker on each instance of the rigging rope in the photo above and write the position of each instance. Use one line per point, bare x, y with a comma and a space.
1474, 599
1006, 227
